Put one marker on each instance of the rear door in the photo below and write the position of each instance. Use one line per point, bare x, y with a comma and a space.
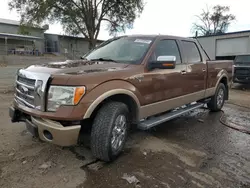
196, 74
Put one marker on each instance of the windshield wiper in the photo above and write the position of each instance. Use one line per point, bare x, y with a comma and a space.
103, 59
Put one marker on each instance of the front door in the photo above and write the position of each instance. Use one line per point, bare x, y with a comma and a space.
165, 86
196, 70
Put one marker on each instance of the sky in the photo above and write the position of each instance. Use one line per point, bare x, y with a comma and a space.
170, 17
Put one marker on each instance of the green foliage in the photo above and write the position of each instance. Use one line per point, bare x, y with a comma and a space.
213, 21
80, 16
24, 30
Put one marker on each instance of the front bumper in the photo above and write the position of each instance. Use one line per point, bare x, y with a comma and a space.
47, 130
241, 74
241, 79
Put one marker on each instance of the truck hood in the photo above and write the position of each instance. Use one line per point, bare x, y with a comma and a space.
76, 67
82, 72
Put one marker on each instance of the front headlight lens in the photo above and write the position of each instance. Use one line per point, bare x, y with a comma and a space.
63, 95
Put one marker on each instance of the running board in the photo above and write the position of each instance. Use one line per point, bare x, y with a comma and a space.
154, 121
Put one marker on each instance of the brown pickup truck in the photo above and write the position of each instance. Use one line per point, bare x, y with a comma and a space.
137, 80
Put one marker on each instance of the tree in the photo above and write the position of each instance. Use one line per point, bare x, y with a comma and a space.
213, 21
24, 30
80, 16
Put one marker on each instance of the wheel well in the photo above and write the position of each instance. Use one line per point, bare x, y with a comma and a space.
225, 82
126, 99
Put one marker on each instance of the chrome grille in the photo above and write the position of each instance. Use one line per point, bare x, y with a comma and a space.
30, 89
25, 91
30, 92
27, 81
242, 71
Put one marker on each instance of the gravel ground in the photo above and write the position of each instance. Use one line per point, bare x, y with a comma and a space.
7, 75
195, 150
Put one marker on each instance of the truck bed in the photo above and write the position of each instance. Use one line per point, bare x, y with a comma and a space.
217, 66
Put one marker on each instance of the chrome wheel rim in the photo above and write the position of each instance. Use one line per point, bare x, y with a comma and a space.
220, 98
118, 133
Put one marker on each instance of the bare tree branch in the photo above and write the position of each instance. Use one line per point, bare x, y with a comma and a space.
213, 22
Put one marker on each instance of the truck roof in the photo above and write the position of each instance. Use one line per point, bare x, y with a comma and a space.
161, 36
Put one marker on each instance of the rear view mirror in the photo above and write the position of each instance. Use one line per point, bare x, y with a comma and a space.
163, 62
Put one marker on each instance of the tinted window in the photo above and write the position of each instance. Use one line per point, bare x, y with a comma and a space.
166, 48
191, 52
242, 59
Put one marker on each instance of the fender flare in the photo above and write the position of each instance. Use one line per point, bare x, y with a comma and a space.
222, 74
106, 95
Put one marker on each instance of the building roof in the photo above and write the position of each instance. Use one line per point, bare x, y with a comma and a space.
17, 23
27, 37
70, 36
229, 33
10, 22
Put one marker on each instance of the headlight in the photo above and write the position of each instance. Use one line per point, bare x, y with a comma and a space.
64, 95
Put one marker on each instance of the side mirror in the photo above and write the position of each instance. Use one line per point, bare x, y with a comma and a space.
163, 62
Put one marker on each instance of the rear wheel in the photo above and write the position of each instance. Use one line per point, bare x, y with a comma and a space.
109, 131
217, 101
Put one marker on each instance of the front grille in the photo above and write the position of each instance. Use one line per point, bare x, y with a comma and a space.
30, 91
25, 91
27, 81
242, 71
243, 78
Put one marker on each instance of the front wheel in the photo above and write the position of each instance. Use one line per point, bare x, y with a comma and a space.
217, 101
109, 131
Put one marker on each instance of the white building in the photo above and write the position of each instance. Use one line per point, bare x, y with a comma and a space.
16, 40
226, 46
72, 46
13, 41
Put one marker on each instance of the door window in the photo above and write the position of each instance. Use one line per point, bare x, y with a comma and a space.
191, 51
166, 48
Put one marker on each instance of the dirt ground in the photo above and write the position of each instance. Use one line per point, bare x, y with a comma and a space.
195, 150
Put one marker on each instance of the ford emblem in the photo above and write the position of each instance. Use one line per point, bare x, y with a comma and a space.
24, 90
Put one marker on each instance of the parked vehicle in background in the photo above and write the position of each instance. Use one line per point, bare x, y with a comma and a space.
120, 84
241, 69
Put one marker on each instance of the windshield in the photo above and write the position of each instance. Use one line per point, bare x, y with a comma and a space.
242, 59
123, 49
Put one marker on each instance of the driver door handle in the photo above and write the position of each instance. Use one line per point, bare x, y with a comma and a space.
183, 72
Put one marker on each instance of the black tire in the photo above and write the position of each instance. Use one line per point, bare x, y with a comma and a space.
213, 104
102, 130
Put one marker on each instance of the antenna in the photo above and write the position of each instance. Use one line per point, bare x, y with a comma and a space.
196, 37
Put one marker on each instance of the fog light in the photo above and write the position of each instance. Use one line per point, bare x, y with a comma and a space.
48, 135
